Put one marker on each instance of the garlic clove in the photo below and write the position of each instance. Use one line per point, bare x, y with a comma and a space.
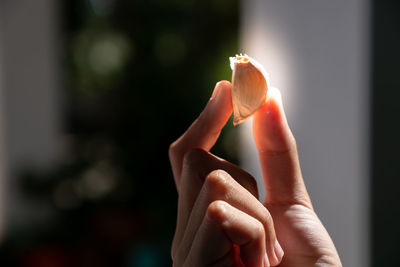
249, 87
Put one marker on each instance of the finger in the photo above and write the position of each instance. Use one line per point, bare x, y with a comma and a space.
222, 227
204, 131
278, 153
219, 185
197, 165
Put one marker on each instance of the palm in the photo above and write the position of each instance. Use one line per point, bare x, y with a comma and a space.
302, 236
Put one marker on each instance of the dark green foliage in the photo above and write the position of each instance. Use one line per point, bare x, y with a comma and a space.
136, 74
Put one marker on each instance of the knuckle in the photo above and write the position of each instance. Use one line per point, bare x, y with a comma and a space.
258, 230
172, 150
217, 183
267, 218
217, 211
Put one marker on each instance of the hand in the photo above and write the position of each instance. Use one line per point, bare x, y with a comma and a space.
220, 221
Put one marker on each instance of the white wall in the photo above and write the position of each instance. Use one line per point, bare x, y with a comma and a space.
317, 52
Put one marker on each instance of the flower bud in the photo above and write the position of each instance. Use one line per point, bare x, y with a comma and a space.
249, 87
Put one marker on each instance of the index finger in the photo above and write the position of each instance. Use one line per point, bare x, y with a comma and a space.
278, 154
204, 131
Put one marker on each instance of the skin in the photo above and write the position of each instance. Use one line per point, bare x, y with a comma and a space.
220, 219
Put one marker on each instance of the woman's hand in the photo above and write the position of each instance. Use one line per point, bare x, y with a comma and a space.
220, 220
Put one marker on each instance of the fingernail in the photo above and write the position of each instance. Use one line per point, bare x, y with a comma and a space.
266, 260
278, 251
215, 92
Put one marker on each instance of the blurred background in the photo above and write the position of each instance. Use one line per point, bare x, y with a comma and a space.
92, 92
